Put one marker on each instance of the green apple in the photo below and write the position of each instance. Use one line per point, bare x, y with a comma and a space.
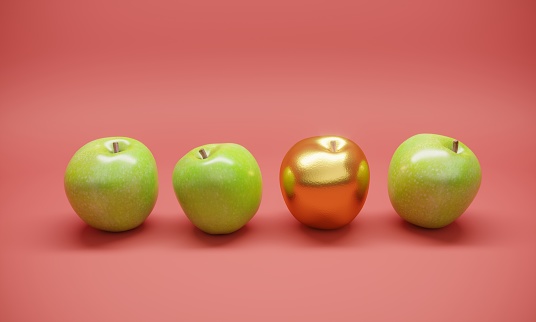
432, 180
219, 187
112, 183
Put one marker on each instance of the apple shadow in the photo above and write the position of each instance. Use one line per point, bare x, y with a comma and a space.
292, 232
89, 237
451, 234
465, 231
326, 236
269, 229
158, 230
203, 239
69, 233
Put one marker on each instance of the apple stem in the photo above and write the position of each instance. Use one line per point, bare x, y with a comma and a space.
455, 146
116, 147
333, 146
203, 153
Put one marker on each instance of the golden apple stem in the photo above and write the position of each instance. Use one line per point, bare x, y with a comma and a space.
333, 146
116, 147
203, 153
455, 146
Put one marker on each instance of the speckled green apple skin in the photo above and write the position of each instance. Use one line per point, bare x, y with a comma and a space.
112, 191
221, 193
429, 184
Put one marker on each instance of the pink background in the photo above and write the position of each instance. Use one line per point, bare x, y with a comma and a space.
266, 74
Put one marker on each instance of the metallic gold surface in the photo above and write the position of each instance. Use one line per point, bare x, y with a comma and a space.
324, 181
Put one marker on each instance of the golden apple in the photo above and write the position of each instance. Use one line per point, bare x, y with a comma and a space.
324, 181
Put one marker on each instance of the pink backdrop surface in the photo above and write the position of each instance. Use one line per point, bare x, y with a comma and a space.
176, 75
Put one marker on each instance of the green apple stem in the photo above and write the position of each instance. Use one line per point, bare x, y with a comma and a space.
116, 147
203, 153
333, 146
455, 146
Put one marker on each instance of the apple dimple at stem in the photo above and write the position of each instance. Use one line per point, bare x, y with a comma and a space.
203, 153
455, 146
333, 146
116, 146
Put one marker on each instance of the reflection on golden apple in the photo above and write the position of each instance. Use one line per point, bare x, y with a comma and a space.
324, 181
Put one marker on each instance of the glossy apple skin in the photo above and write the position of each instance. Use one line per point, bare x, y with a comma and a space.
221, 193
322, 188
112, 191
429, 184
